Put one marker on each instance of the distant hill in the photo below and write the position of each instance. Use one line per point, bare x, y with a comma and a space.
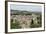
24, 12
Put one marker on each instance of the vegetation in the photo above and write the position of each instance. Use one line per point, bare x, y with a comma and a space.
39, 24
15, 25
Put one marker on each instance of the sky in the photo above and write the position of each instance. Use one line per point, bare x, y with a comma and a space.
26, 7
